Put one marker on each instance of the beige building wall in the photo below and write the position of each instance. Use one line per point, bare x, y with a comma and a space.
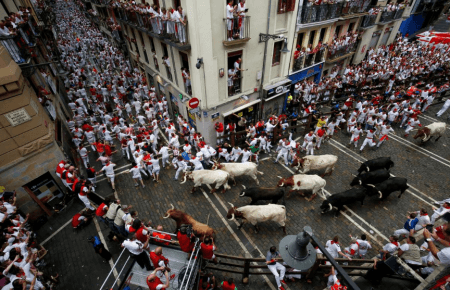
28, 148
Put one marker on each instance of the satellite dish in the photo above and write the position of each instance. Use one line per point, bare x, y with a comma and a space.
297, 251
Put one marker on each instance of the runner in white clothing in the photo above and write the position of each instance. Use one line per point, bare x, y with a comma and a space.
135, 171
109, 171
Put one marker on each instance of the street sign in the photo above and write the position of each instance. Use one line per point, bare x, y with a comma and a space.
194, 111
193, 103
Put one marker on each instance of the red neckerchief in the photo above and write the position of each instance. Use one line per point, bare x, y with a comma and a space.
333, 242
395, 243
423, 214
447, 207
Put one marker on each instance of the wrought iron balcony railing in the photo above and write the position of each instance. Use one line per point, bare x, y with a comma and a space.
355, 6
237, 28
316, 13
341, 51
369, 20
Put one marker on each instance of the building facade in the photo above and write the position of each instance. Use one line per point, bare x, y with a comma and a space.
33, 109
214, 43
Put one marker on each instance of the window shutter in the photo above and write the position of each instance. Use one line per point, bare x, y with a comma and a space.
290, 5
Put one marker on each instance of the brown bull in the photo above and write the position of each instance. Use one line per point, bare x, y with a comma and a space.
200, 230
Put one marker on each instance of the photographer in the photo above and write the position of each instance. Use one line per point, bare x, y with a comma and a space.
154, 283
185, 237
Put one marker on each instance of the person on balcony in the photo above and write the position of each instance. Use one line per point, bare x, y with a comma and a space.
230, 18
241, 9
180, 25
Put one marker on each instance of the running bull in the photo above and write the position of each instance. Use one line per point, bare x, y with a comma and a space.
200, 230
315, 162
263, 193
374, 164
385, 188
338, 200
371, 177
208, 177
259, 213
239, 169
303, 182
434, 129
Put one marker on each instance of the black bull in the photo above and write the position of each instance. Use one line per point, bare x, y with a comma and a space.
263, 193
385, 188
371, 177
374, 164
338, 200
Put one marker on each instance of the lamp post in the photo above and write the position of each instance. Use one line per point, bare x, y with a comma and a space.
265, 38
298, 253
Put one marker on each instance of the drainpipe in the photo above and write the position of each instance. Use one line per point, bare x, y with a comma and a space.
261, 96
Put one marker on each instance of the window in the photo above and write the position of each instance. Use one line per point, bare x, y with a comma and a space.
351, 26
156, 2
176, 4
234, 75
152, 44
185, 72
337, 32
142, 39
322, 34
145, 55
285, 6
300, 40
166, 61
312, 35
277, 53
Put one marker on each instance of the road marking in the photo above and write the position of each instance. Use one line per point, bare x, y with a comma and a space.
111, 261
391, 174
350, 219
421, 150
57, 231
234, 235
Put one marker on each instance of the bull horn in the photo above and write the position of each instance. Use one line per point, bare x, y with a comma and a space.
231, 204
232, 217
360, 182
184, 179
243, 193
354, 175
281, 185
330, 206
425, 138
368, 169
172, 206
280, 177
371, 185
243, 186
381, 194
167, 216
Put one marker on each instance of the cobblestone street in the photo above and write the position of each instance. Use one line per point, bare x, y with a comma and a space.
425, 167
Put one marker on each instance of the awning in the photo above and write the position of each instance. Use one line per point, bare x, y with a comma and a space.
241, 108
273, 97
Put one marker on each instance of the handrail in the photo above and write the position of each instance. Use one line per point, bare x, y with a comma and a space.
118, 276
113, 268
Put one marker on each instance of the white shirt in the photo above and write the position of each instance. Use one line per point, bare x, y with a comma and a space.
136, 172
229, 11
135, 247
444, 255
333, 249
109, 169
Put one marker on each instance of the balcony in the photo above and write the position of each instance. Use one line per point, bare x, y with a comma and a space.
335, 53
14, 45
317, 13
368, 21
387, 16
237, 30
173, 33
398, 14
308, 59
355, 7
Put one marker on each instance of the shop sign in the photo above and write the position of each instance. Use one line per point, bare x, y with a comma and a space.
240, 114
18, 117
205, 114
250, 109
239, 102
278, 90
215, 115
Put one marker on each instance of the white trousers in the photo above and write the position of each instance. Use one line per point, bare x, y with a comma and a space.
400, 232
284, 156
442, 111
86, 202
369, 142
408, 129
274, 269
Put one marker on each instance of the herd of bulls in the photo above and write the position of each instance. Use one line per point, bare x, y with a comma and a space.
373, 179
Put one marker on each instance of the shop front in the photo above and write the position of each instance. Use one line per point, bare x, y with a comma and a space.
243, 108
275, 98
45, 192
313, 73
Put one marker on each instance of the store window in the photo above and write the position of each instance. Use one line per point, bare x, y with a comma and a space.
285, 6
45, 192
234, 72
277, 53
186, 73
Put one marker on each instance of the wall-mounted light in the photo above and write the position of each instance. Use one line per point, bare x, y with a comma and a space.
221, 72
